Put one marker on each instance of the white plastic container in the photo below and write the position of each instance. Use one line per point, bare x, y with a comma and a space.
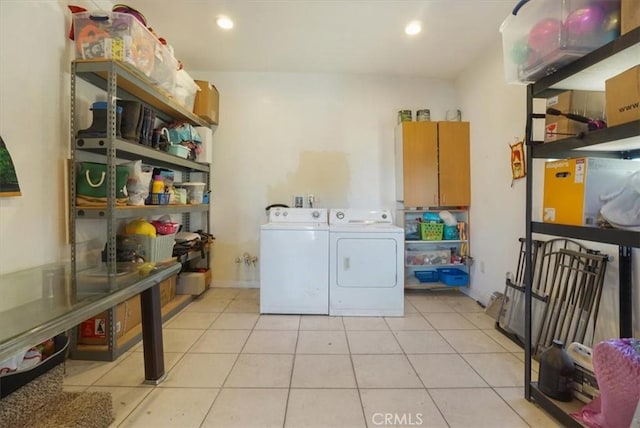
195, 191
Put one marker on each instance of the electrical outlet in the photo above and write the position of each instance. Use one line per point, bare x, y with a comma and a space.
311, 200
298, 201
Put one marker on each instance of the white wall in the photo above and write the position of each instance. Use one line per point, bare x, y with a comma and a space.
284, 134
34, 124
497, 114
34, 100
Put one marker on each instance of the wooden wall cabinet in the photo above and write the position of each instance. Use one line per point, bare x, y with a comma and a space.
432, 164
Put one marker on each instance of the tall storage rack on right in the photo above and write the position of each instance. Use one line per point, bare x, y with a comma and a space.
621, 141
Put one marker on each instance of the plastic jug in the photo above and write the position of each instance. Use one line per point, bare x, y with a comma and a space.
556, 372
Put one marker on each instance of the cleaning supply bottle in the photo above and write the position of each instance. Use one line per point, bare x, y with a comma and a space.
556, 372
158, 184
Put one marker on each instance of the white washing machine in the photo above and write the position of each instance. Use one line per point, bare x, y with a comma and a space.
366, 263
294, 255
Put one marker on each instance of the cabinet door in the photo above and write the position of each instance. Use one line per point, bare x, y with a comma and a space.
420, 164
453, 158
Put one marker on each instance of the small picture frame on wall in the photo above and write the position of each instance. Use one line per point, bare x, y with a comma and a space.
518, 167
8, 179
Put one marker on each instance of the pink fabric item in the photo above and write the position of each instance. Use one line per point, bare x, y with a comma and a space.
616, 364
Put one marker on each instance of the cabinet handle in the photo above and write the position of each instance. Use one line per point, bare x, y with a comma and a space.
435, 199
347, 264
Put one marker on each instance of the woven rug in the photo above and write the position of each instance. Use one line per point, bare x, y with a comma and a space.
43, 404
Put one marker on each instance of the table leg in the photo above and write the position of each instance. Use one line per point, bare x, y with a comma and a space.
152, 335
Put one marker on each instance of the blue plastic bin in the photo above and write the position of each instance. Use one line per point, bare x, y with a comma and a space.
453, 277
426, 275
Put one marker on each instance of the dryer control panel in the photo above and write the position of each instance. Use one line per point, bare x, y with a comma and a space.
358, 216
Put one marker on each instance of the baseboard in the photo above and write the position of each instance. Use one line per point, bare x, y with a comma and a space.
235, 284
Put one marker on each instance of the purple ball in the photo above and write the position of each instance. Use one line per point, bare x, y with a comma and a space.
584, 21
544, 36
611, 21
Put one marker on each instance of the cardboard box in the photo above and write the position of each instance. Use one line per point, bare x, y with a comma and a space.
193, 283
559, 127
629, 15
207, 104
168, 290
95, 330
590, 104
623, 97
572, 188
207, 279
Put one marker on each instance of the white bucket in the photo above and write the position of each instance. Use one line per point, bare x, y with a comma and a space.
195, 191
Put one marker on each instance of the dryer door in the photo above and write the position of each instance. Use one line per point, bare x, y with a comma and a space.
367, 262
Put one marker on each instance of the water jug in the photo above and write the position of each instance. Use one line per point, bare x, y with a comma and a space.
556, 372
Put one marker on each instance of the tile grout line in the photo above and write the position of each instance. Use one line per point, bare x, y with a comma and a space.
227, 376
355, 377
293, 367
485, 380
424, 387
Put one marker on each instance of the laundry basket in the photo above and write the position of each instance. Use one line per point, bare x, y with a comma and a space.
157, 248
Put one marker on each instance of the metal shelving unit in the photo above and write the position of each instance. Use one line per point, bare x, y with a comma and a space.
622, 141
121, 81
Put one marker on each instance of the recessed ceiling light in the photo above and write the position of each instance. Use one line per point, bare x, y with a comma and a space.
224, 22
413, 28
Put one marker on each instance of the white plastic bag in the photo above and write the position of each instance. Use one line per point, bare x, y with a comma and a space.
137, 183
622, 207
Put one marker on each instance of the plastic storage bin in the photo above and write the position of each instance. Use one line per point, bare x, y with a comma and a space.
431, 231
120, 36
195, 191
158, 248
450, 233
453, 277
185, 90
541, 36
158, 199
179, 150
426, 275
428, 257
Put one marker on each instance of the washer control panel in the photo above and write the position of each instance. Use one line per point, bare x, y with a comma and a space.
297, 215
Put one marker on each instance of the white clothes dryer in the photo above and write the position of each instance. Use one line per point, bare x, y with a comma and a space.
294, 255
366, 263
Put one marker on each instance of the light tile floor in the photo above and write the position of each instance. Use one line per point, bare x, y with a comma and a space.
440, 365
